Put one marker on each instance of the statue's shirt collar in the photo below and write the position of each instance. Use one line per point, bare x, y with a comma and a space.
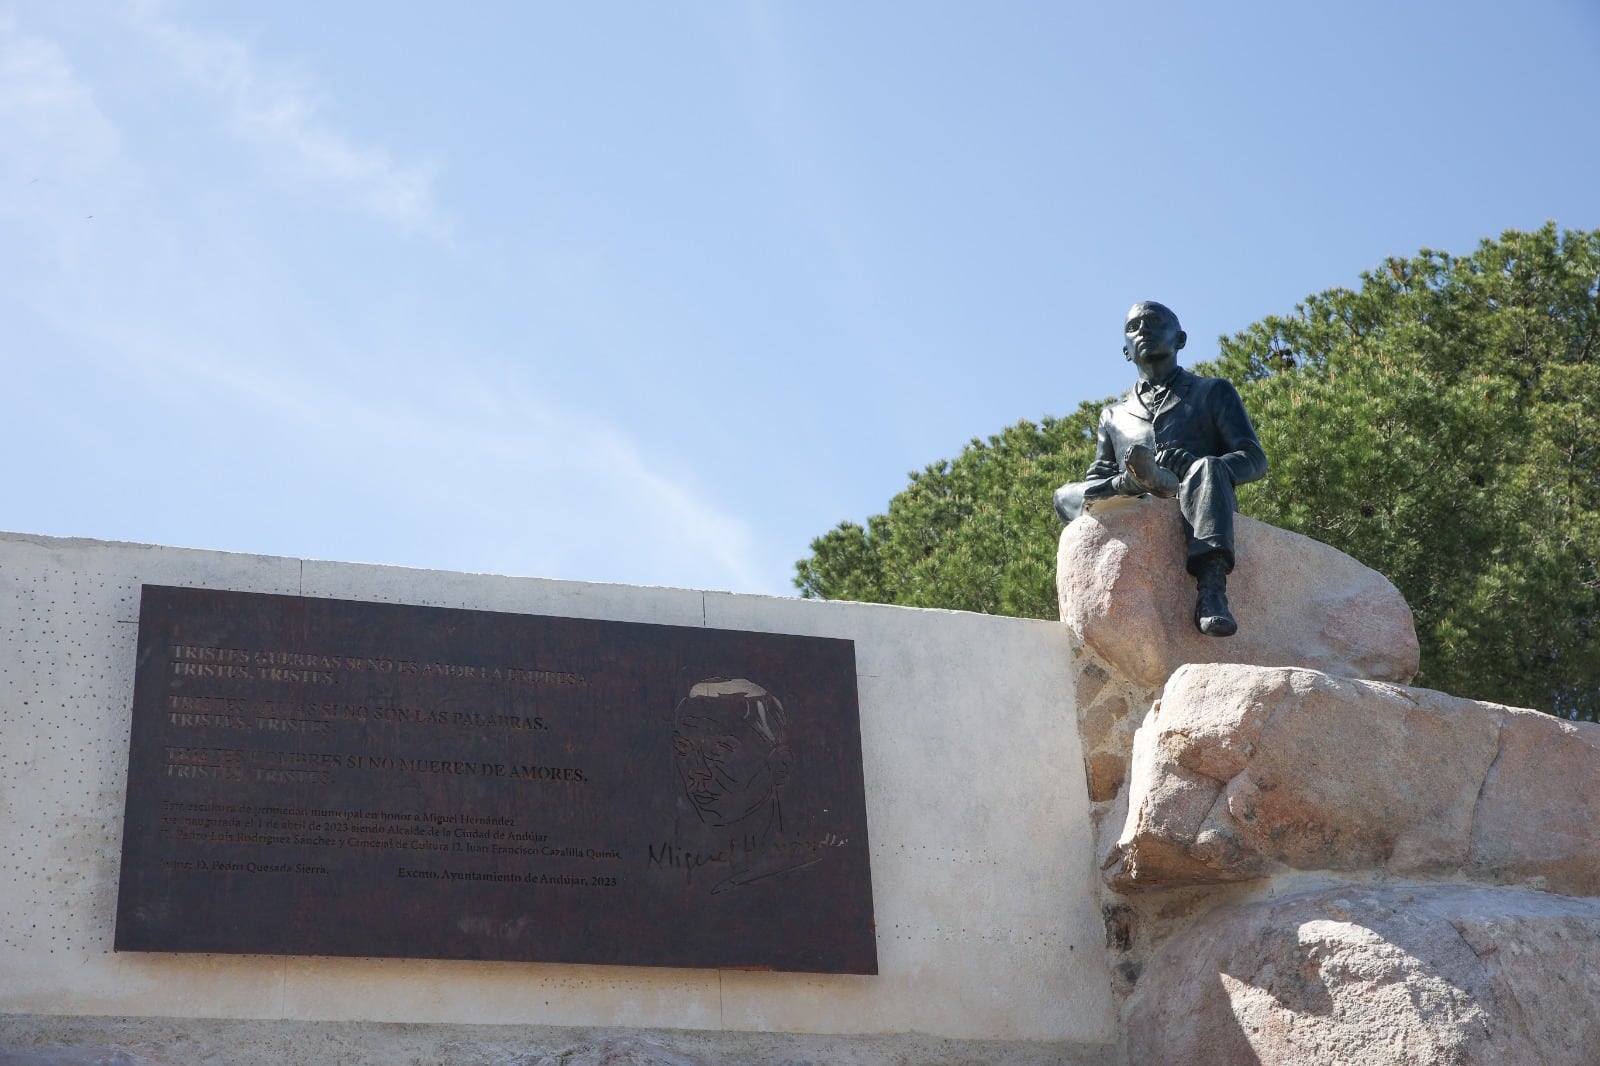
1154, 394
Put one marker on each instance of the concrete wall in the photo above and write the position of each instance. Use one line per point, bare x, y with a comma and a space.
983, 876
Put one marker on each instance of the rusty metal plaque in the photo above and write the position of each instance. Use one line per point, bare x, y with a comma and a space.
327, 777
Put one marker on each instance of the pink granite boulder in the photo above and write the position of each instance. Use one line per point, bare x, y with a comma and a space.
1392, 975
1124, 591
1243, 771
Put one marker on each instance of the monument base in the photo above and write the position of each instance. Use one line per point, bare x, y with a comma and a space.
37, 1040
989, 940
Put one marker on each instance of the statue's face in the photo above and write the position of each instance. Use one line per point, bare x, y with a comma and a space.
728, 769
1152, 338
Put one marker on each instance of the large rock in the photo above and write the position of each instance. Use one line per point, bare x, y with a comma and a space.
1125, 592
1242, 771
1538, 818
1377, 976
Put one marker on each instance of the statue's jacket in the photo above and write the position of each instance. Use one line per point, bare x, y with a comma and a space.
1204, 416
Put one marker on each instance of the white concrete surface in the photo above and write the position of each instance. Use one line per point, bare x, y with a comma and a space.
983, 875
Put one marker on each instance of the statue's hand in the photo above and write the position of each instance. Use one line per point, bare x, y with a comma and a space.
1125, 484
1176, 459
1141, 471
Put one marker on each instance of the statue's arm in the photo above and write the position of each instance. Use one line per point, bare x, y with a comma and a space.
1106, 464
1099, 481
1245, 460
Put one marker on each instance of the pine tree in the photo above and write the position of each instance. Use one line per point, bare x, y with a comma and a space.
1441, 423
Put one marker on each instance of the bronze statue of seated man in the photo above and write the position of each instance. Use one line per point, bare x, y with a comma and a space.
1175, 434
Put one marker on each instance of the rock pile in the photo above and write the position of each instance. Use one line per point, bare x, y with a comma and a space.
1307, 861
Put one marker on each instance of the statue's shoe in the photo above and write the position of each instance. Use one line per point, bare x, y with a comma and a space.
1211, 614
1153, 478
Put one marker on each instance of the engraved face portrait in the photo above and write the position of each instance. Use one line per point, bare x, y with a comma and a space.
728, 743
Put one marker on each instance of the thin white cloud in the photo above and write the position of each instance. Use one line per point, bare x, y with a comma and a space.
62, 161
504, 475
50, 126
684, 518
562, 493
282, 114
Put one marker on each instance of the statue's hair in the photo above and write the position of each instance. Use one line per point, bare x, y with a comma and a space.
1158, 305
762, 711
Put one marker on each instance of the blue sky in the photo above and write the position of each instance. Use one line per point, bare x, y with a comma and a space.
657, 292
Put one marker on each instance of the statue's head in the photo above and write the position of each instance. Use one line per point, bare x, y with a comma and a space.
1152, 338
728, 740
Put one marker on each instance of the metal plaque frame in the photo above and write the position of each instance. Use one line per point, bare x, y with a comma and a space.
329, 777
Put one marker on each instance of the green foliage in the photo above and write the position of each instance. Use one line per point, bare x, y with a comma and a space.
968, 534
1441, 424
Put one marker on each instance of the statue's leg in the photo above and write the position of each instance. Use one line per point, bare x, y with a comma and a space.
1074, 499
1207, 501
1069, 500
